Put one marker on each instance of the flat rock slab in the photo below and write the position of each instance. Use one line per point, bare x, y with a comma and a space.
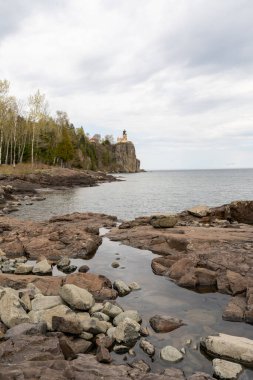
24, 347
72, 235
200, 253
84, 367
237, 349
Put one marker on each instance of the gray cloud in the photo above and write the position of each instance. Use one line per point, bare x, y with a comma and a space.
177, 74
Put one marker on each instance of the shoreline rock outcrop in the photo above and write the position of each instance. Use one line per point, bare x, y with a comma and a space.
208, 249
69, 235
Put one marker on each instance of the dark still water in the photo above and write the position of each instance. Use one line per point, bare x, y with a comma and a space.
147, 193
150, 192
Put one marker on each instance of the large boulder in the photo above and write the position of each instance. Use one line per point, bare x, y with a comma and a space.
11, 309
121, 287
76, 297
235, 348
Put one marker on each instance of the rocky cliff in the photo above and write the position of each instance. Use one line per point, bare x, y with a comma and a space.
124, 158
113, 158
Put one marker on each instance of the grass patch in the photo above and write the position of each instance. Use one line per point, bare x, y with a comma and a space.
23, 169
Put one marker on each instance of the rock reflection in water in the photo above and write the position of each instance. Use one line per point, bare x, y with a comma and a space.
202, 313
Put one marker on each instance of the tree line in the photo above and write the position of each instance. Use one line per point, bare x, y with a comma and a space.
28, 133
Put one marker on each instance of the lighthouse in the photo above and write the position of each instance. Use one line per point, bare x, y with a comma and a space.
122, 139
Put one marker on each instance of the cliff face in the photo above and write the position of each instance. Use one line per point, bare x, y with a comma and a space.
113, 158
124, 158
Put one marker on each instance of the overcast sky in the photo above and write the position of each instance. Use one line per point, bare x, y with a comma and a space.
176, 74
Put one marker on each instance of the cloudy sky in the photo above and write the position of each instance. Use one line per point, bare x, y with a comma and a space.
176, 74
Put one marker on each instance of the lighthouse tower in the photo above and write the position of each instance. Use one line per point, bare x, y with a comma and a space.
122, 139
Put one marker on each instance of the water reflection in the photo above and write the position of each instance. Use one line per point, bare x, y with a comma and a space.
201, 313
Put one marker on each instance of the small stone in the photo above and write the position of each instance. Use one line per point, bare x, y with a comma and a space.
95, 326
132, 314
144, 331
105, 341
7, 268
171, 354
96, 308
24, 268
134, 286
121, 287
176, 374
132, 352
42, 268
64, 262
141, 366
83, 269
164, 323
86, 336
103, 355
69, 269
224, 369
111, 310
164, 221
147, 347
199, 211
115, 264
101, 316
120, 349
110, 332
66, 349
127, 332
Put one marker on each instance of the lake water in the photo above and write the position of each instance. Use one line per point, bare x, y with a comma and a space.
150, 192
147, 193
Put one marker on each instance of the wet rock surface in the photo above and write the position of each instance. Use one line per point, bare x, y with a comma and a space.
103, 327
237, 349
208, 248
69, 235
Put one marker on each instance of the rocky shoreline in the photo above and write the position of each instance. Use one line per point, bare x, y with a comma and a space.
25, 189
201, 249
68, 326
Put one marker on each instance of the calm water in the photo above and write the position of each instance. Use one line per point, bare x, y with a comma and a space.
146, 193
151, 192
